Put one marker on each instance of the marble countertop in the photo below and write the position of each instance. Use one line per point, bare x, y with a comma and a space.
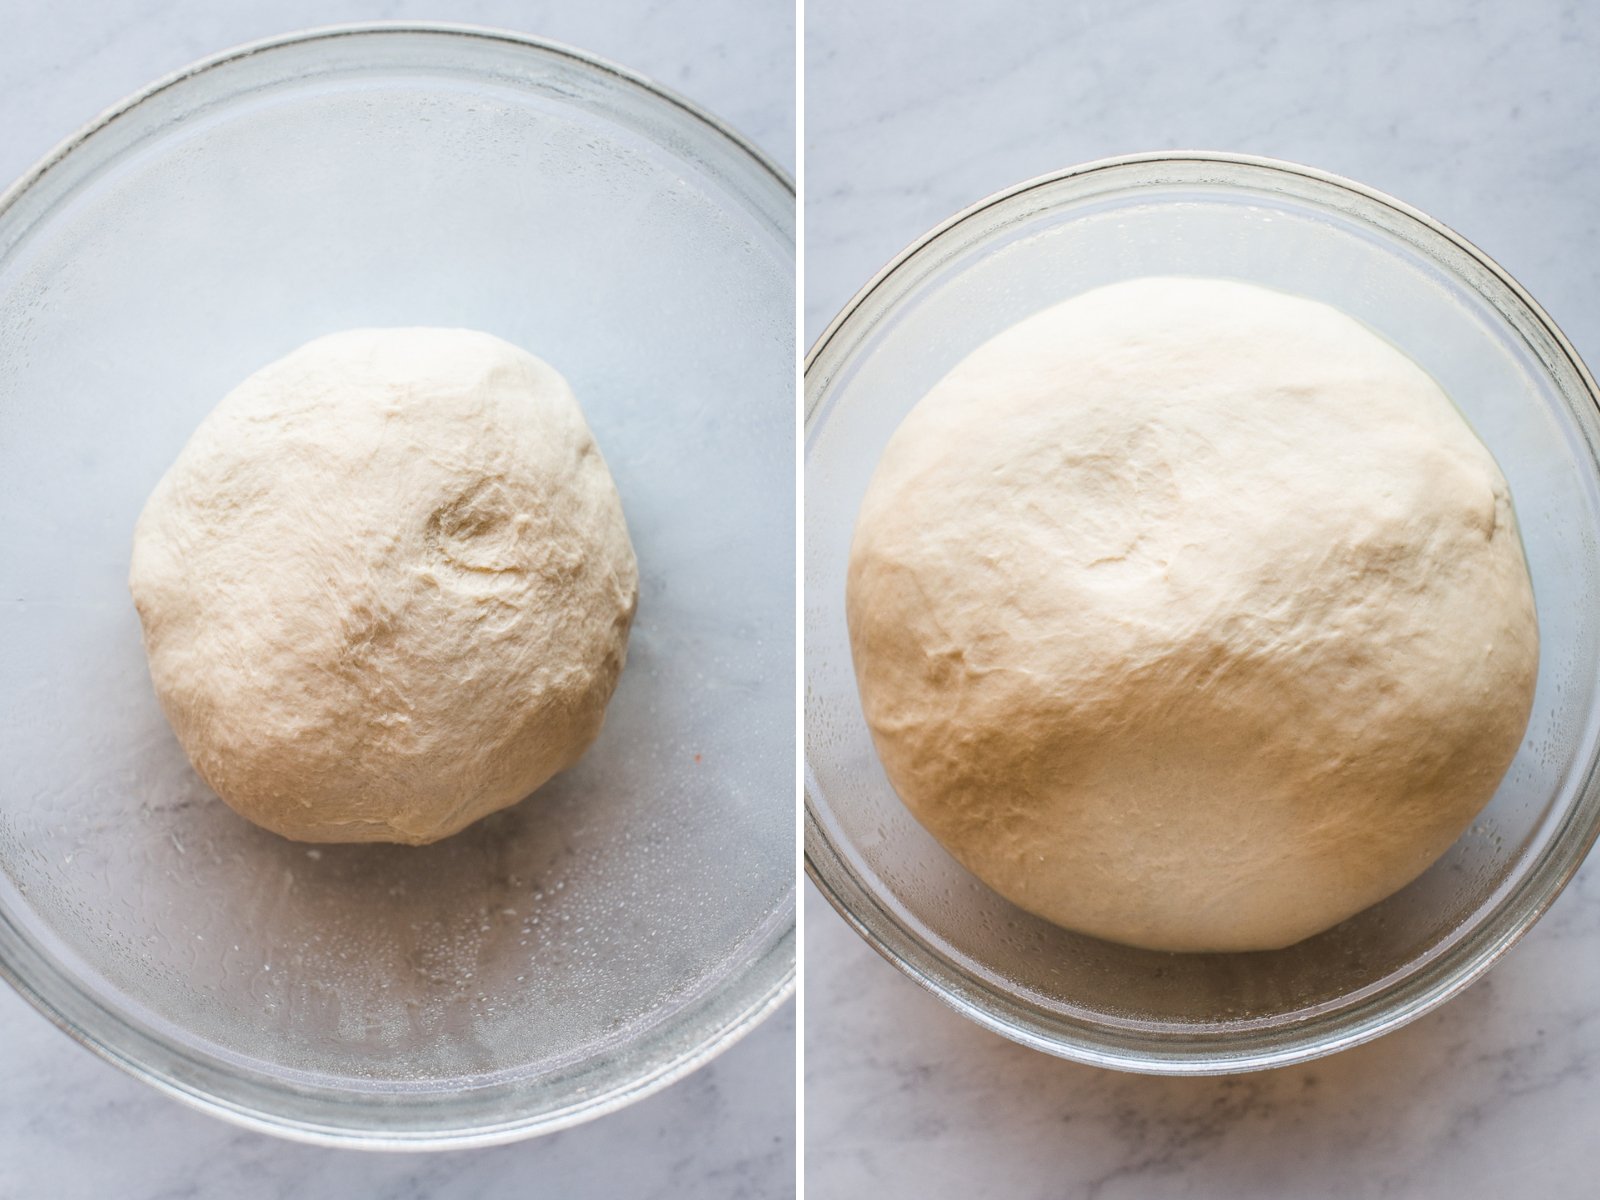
73, 1127
1486, 116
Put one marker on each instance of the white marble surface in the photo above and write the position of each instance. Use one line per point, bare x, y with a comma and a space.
1483, 114
73, 1127
1486, 115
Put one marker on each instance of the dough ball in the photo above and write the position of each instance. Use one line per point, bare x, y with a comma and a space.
386, 587
1191, 615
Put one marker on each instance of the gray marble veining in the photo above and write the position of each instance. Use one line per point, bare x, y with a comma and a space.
1486, 116
1481, 114
1493, 1095
73, 1127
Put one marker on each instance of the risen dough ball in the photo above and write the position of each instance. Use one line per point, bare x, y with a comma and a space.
1191, 615
386, 587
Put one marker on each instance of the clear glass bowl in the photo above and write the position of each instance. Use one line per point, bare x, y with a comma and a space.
636, 915
1520, 385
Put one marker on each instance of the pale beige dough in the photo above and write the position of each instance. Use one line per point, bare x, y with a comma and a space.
386, 587
1191, 615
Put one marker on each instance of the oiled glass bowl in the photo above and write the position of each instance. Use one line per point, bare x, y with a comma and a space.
1519, 384
635, 915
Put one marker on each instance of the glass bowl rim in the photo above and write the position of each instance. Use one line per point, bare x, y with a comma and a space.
128, 1042
1381, 1010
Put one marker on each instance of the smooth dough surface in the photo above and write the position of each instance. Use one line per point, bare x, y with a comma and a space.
1191, 615
386, 587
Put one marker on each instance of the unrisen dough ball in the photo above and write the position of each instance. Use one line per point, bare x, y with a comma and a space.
386, 587
1191, 615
